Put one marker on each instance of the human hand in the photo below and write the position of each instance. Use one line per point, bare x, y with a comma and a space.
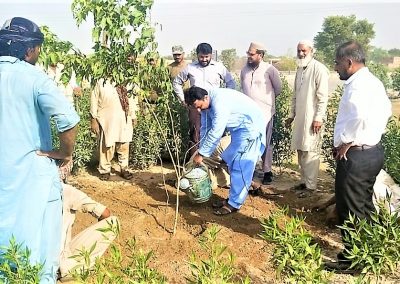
134, 122
198, 159
65, 163
342, 150
77, 91
316, 126
289, 121
94, 126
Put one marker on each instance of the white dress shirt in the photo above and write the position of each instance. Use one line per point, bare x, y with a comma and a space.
364, 110
209, 77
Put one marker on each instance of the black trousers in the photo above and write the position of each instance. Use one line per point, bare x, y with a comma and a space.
354, 181
194, 130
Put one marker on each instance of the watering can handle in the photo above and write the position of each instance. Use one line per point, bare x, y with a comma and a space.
190, 165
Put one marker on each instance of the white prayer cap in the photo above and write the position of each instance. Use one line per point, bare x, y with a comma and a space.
257, 46
307, 42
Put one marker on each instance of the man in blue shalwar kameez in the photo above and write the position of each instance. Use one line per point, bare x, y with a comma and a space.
226, 109
30, 188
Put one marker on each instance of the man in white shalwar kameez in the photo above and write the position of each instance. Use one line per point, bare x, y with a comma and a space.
308, 111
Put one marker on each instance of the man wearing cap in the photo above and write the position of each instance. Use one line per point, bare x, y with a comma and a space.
30, 187
308, 111
261, 82
179, 62
204, 73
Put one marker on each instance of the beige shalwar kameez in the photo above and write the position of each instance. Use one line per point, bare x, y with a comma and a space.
116, 128
74, 201
309, 104
263, 84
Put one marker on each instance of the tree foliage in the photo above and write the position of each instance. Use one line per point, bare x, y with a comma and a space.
396, 79
228, 57
381, 72
339, 29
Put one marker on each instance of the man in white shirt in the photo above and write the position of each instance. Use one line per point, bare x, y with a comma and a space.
364, 110
206, 74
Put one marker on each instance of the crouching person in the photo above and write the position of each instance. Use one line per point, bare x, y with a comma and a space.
229, 109
71, 247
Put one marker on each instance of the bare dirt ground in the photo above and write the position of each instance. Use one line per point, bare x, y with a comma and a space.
142, 207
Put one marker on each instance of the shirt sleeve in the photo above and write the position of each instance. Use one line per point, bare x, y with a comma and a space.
178, 82
79, 201
94, 101
218, 116
228, 79
322, 93
54, 104
275, 80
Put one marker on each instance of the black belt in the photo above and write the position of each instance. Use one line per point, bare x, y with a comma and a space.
364, 147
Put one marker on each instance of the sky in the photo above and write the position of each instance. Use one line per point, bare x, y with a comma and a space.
225, 24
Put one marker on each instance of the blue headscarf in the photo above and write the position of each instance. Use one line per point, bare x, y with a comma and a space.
18, 35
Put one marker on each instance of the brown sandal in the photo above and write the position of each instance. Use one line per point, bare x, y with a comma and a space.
105, 176
219, 203
126, 175
225, 210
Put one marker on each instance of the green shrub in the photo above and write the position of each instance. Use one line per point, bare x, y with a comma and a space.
391, 144
15, 266
281, 135
86, 143
295, 256
396, 79
381, 72
218, 267
373, 245
329, 127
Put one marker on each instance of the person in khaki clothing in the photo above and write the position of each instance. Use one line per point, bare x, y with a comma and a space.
179, 63
74, 201
113, 117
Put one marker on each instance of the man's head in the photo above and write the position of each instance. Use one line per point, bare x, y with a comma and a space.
178, 53
305, 52
197, 98
204, 52
255, 54
21, 38
350, 57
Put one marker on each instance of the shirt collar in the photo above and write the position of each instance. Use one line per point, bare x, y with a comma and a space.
10, 59
359, 73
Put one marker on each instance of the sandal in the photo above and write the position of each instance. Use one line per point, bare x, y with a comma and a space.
219, 203
105, 176
126, 175
255, 191
225, 210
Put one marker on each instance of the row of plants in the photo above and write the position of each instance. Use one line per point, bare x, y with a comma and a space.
125, 262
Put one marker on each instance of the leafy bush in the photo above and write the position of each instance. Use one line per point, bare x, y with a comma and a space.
281, 135
391, 144
396, 79
329, 127
85, 142
373, 245
381, 72
15, 266
295, 256
218, 267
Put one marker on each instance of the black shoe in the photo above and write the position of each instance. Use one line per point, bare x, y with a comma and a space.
267, 179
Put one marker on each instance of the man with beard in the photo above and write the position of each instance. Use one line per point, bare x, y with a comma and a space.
261, 82
364, 110
308, 111
206, 74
